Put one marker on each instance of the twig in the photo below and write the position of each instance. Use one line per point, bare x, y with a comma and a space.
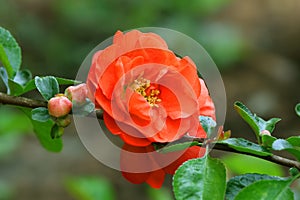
31, 103
21, 101
224, 147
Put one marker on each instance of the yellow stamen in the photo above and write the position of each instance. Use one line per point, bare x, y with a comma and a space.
140, 86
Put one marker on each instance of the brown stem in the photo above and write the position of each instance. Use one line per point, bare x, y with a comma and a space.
21, 101
273, 158
31, 103
223, 147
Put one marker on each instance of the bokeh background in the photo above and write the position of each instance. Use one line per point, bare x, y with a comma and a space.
255, 44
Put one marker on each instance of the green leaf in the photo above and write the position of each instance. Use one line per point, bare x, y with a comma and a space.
83, 109
65, 81
161, 194
267, 140
297, 109
243, 145
177, 147
4, 77
267, 190
294, 171
90, 188
241, 164
208, 124
10, 52
237, 183
40, 114
256, 123
294, 140
43, 133
15, 89
29, 86
281, 144
23, 77
47, 86
202, 178
16, 85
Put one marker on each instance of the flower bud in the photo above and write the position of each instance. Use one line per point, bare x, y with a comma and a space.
265, 132
59, 106
77, 93
63, 121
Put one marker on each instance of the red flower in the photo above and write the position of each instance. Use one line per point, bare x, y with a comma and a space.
148, 94
144, 164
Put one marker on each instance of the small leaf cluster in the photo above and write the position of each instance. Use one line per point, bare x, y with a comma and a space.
205, 178
20, 81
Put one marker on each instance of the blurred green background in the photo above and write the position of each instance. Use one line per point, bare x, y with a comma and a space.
255, 43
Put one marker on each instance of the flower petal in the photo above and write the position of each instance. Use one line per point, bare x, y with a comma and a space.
138, 159
188, 69
206, 105
128, 134
190, 153
139, 109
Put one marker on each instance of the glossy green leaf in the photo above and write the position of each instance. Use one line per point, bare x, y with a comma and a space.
256, 123
242, 164
15, 89
83, 109
29, 86
43, 133
294, 171
243, 145
237, 183
161, 194
297, 109
65, 81
10, 53
281, 144
61, 81
17, 86
267, 190
177, 147
208, 124
90, 188
22, 77
294, 140
267, 140
47, 86
202, 178
4, 77
40, 114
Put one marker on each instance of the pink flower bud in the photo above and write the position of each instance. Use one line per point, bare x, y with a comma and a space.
59, 106
77, 93
265, 132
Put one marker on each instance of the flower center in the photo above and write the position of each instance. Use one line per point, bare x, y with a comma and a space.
148, 91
